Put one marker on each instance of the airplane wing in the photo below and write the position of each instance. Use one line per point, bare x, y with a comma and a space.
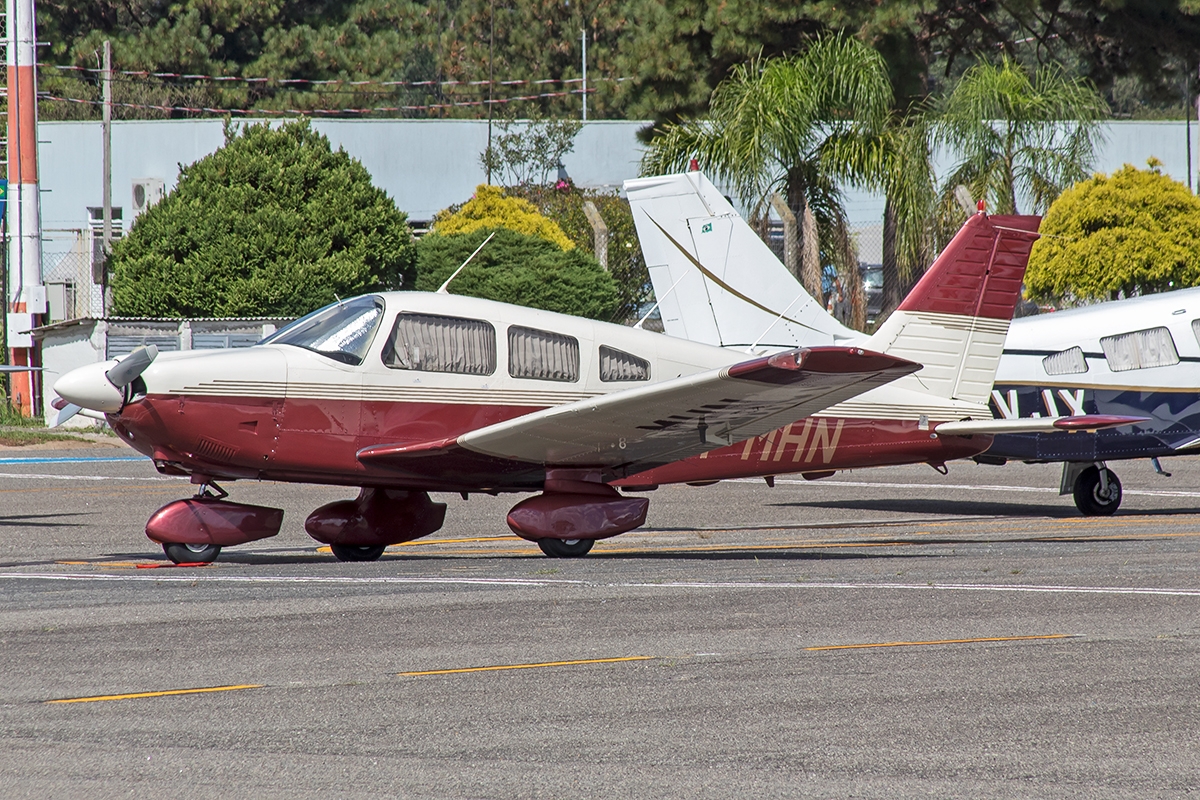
1080, 422
652, 425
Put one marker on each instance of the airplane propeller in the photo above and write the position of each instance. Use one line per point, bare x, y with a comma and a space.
129, 368
93, 389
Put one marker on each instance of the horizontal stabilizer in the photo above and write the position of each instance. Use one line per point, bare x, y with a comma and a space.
1081, 422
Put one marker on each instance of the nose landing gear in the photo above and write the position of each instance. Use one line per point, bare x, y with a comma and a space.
194, 530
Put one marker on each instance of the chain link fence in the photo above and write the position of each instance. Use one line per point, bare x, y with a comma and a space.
68, 256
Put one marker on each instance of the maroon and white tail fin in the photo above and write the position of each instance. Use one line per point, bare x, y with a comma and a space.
955, 319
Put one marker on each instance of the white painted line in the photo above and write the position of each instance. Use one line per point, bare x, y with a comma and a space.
199, 576
964, 486
46, 476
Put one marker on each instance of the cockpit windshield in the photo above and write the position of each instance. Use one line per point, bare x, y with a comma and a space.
342, 331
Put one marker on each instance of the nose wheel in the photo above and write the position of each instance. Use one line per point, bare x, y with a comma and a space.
191, 553
1097, 492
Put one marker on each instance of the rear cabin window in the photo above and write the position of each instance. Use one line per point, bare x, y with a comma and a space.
1196, 329
1153, 347
1068, 362
617, 365
432, 343
542, 355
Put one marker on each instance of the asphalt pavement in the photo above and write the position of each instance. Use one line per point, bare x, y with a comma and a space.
885, 633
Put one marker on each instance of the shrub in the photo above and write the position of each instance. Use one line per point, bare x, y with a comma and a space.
518, 268
273, 223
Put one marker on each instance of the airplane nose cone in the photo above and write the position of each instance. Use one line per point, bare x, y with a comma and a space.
88, 387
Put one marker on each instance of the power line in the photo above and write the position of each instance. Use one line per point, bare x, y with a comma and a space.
311, 111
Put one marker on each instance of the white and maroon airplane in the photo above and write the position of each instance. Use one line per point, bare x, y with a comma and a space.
404, 393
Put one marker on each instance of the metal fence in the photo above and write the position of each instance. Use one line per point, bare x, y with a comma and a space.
68, 255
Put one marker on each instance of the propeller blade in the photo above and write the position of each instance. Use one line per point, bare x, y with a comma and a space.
130, 367
65, 413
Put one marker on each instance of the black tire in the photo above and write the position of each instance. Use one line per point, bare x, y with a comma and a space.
1088, 497
566, 548
348, 553
191, 553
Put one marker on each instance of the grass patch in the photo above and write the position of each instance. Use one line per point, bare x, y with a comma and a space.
11, 438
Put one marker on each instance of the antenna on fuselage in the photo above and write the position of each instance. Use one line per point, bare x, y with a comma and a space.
776, 321
442, 289
642, 321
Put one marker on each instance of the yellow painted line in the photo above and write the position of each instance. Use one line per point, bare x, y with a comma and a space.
944, 641
525, 666
167, 693
417, 542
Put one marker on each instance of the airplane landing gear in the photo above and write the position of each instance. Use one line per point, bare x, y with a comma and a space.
360, 529
1097, 491
194, 530
566, 548
181, 553
350, 553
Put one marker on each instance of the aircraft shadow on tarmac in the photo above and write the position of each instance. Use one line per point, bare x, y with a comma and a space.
41, 520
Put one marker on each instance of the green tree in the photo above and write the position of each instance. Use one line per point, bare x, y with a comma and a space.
274, 222
1018, 135
520, 269
1134, 232
808, 125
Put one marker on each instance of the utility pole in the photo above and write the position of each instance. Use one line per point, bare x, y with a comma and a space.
25, 296
491, 81
106, 128
583, 39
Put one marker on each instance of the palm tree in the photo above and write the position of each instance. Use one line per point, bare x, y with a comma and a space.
806, 125
1017, 135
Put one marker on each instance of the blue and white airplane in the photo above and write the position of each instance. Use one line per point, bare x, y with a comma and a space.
717, 282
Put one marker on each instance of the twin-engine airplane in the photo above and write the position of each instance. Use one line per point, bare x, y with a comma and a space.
404, 393
1137, 359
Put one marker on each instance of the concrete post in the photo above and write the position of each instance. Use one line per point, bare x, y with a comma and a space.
599, 231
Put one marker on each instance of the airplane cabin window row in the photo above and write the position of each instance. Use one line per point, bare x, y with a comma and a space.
434, 343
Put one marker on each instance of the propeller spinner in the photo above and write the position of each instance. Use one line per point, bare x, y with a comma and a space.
99, 389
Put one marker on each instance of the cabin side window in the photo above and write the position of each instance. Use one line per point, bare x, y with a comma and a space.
617, 365
1196, 329
542, 355
433, 343
1067, 362
1153, 347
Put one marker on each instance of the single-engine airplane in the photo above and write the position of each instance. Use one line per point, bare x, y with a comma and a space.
404, 393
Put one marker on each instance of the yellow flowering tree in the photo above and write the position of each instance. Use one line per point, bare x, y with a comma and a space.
1134, 232
491, 208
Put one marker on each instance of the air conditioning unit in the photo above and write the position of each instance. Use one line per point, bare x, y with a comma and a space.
146, 192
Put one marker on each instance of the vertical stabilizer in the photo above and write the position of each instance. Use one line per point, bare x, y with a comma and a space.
715, 280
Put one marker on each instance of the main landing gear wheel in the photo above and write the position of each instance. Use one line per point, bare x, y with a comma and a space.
191, 553
566, 548
1091, 495
347, 553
